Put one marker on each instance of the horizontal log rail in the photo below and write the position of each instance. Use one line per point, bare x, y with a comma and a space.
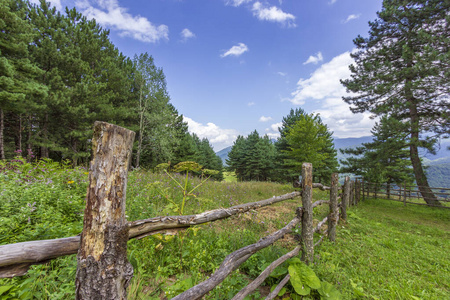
233, 261
264, 274
15, 259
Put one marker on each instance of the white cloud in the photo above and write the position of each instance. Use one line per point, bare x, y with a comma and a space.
237, 3
251, 103
324, 86
273, 132
54, 3
109, 14
332, 2
273, 14
237, 50
265, 119
324, 81
281, 74
352, 17
220, 138
187, 34
314, 59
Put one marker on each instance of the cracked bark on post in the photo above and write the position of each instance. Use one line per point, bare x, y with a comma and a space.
103, 271
332, 220
345, 198
307, 218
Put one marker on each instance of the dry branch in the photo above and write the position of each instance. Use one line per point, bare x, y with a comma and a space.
14, 256
264, 274
320, 224
232, 262
275, 292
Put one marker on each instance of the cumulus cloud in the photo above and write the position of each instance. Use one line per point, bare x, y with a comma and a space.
352, 17
272, 131
237, 50
186, 34
219, 138
251, 103
237, 3
265, 119
109, 14
324, 86
314, 59
324, 81
273, 14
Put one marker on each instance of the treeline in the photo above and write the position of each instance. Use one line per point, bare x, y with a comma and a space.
303, 137
59, 72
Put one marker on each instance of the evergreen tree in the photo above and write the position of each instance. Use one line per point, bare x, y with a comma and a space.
252, 158
401, 70
310, 141
304, 138
18, 74
385, 159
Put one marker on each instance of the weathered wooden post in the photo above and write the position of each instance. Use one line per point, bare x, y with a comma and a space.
353, 194
345, 198
334, 212
404, 194
376, 189
307, 243
357, 191
363, 189
103, 271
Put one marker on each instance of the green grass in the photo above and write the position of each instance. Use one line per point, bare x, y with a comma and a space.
388, 251
384, 251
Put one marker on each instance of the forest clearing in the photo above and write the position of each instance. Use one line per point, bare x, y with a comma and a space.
383, 251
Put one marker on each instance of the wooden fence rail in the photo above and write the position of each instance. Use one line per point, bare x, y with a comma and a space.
403, 192
105, 227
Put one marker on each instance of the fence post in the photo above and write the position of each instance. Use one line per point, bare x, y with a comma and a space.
363, 189
345, 197
334, 212
307, 218
357, 191
353, 200
103, 271
404, 194
376, 189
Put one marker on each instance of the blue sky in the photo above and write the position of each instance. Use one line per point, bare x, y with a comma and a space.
233, 66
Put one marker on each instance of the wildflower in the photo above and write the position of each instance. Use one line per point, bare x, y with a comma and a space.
70, 181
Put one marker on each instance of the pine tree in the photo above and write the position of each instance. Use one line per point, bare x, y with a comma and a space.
385, 159
304, 138
17, 73
401, 70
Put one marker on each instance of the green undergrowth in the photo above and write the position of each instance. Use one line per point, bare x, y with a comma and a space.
388, 251
384, 251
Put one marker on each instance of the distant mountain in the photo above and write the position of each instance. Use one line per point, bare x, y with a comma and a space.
223, 154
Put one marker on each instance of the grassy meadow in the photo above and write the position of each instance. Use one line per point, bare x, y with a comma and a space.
383, 251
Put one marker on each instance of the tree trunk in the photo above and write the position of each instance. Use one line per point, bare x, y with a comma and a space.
103, 271
419, 174
44, 148
2, 141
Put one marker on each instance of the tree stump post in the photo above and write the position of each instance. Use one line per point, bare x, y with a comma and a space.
333, 216
345, 198
103, 271
307, 217
357, 191
404, 194
363, 189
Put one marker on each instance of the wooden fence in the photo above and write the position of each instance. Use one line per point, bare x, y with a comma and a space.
404, 193
103, 271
